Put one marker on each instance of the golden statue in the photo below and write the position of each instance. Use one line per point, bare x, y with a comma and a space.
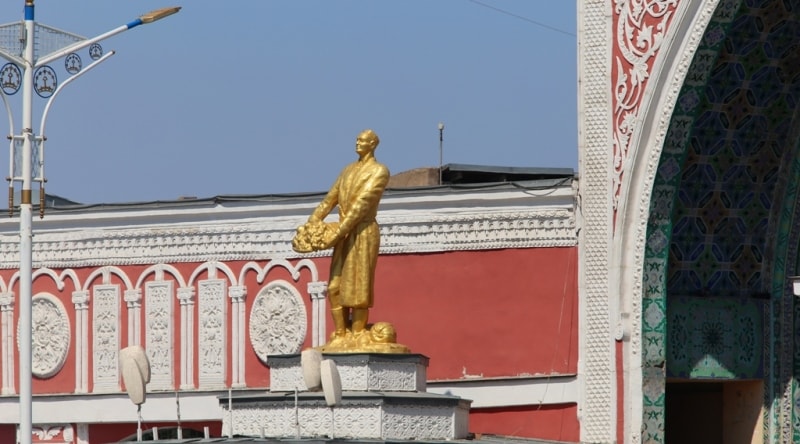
355, 240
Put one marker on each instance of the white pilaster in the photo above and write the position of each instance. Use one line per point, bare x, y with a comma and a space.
7, 338
80, 299
186, 299
237, 294
82, 434
319, 313
133, 298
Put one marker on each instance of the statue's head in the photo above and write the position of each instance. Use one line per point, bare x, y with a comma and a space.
366, 142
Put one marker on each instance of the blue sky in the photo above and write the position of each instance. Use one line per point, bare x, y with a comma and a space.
267, 96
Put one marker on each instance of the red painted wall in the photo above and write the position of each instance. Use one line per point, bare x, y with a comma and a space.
490, 313
8, 433
112, 433
553, 422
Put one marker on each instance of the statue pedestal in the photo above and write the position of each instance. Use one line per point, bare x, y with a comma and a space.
383, 397
358, 371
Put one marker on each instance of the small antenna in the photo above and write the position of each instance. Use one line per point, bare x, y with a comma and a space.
441, 143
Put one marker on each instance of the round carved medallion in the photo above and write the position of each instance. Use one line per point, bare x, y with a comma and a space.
50, 335
277, 321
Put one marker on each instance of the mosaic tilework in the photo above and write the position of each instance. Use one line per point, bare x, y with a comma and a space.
660, 225
715, 338
730, 182
722, 171
728, 179
787, 239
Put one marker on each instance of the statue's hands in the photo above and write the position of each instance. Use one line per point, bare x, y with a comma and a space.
330, 238
315, 235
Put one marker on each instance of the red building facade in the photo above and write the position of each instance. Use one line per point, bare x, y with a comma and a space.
482, 280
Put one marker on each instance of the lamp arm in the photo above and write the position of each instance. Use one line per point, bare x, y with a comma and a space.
78, 46
8, 110
146, 18
10, 152
103, 58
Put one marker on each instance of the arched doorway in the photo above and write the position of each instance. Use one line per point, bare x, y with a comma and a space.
717, 311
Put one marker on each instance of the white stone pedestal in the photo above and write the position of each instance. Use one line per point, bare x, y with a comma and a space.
359, 372
383, 397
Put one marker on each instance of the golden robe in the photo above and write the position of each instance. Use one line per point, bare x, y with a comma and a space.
357, 191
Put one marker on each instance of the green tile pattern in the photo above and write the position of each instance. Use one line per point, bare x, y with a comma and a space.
715, 338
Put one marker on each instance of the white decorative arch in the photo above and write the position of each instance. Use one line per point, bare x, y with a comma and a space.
212, 267
275, 263
310, 266
250, 266
159, 270
57, 278
627, 254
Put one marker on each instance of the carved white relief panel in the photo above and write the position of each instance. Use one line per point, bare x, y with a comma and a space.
213, 308
105, 340
277, 320
159, 337
50, 336
53, 433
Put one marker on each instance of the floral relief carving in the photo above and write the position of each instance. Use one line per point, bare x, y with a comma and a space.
50, 335
213, 311
639, 28
106, 342
55, 433
277, 320
159, 332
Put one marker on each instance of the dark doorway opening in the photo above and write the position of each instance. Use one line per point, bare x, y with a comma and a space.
714, 412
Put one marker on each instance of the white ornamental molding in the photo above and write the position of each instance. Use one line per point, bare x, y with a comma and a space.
212, 332
54, 433
50, 336
106, 341
159, 333
401, 232
640, 29
277, 320
7, 301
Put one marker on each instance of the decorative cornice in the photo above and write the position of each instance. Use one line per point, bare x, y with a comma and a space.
474, 220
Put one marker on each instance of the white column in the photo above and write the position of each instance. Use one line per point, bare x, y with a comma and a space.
82, 434
7, 341
81, 301
186, 299
133, 299
237, 294
319, 312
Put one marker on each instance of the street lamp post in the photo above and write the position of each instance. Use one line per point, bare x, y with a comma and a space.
32, 74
